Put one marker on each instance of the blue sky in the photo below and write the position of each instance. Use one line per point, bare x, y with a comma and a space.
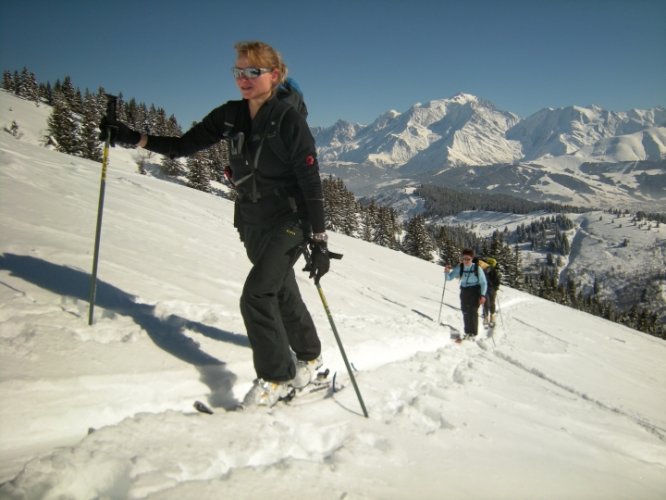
354, 59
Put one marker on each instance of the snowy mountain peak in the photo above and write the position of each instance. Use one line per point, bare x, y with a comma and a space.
467, 130
461, 129
464, 98
576, 129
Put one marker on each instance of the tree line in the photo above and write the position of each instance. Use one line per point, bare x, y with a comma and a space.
384, 226
547, 284
548, 234
444, 243
73, 125
440, 201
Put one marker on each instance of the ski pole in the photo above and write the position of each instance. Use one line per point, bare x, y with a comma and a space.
499, 309
492, 332
441, 302
308, 260
111, 118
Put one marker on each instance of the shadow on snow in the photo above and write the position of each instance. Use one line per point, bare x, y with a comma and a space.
167, 333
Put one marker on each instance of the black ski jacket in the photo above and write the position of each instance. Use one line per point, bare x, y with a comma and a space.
273, 160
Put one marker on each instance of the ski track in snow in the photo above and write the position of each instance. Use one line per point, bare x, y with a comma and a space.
645, 423
418, 407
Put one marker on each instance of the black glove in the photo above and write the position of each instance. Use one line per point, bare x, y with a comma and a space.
320, 260
120, 133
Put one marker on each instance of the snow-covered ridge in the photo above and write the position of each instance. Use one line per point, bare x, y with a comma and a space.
467, 130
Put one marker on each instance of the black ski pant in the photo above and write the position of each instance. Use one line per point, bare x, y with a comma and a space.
275, 316
469, 303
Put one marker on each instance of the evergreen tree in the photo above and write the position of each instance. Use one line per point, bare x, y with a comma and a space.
90, 144
7, 81
160, 123
384, 228
71, 95
142, 120
16, 78
63, 127
512, 268
30, 88
449, 252
417, 241
368, 221
198, 176
171, 166
333, 203
350, 213
46, 93
214, 161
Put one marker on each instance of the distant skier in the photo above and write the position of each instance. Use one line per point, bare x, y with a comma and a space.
280, 206
473, 286
493, 278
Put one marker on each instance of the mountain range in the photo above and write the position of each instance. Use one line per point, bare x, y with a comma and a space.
578, 155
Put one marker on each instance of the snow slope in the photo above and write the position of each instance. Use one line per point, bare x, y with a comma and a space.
559, 404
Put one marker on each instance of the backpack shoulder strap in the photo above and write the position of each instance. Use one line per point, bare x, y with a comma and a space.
234, 123
289, 95
273, 133
231, 117
475, 269
290, 91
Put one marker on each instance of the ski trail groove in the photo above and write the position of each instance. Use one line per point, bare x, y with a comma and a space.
642, 422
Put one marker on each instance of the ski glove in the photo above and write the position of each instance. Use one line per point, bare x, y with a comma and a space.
320, 260
120, 133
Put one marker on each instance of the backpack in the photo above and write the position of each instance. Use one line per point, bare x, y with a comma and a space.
491, 271
492, 278
290, 92
289, 95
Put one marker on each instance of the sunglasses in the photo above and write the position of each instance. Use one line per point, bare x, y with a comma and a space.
251, 73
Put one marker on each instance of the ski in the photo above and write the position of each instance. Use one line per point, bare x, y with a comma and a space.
323, 386
202, 408
466, 338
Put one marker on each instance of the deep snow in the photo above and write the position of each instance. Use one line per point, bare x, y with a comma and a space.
560, 404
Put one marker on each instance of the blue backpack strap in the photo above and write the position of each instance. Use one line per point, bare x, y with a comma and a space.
290, 92
475, 269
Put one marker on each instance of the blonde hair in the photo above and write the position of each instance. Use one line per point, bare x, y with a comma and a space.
262, 55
